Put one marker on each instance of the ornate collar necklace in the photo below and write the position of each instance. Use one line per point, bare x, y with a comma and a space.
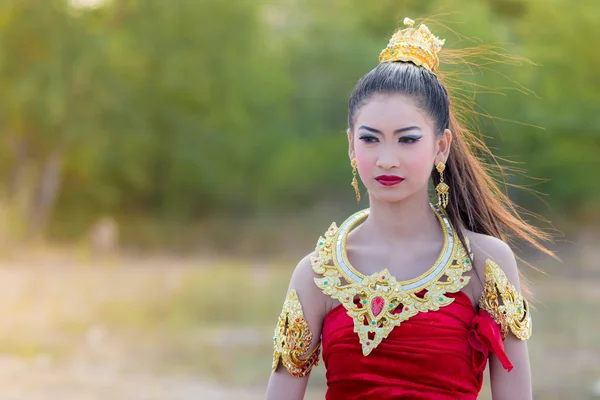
379, 295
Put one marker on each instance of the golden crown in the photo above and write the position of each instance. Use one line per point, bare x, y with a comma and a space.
418, 46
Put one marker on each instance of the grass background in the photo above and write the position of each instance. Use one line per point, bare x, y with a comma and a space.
173, 327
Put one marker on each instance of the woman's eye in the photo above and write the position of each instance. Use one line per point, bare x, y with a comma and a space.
408, 139
368, 139
374, 139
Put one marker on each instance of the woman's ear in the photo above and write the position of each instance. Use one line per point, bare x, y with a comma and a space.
350, 144
444, 146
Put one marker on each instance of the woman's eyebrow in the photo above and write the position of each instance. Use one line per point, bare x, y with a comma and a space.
408, 128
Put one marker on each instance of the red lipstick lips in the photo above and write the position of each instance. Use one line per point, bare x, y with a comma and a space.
389, 180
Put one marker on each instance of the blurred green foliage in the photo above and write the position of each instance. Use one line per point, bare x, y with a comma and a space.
180, 110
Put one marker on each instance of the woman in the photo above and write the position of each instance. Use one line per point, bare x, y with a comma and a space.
408, 299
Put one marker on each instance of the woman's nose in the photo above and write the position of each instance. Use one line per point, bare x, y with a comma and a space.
388, 159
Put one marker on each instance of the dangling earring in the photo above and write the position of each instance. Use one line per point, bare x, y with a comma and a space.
441, 188
354, 181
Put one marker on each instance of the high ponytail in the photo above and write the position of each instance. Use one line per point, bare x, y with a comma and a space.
478, 203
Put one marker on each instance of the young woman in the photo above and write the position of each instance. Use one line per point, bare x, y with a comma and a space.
408, 299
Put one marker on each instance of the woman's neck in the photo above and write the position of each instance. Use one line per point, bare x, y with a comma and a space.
411, 219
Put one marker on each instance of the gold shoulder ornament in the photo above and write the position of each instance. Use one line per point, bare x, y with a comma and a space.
504, 303
371, 301
292, 339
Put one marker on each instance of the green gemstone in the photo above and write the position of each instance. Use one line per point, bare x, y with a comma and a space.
519, 308
441, 299
391, 304
325, 283
301, 344
373, 322
274, 339
364, 302
468, 261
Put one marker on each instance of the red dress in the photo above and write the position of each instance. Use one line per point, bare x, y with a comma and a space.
433, 355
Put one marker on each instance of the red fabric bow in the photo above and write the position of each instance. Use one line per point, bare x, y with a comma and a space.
484, 337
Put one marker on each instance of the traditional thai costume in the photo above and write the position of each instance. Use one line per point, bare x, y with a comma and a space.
415, 339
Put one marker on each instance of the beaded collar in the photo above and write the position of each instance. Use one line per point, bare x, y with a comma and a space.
379, 295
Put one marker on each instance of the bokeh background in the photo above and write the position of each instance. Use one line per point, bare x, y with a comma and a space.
165, 164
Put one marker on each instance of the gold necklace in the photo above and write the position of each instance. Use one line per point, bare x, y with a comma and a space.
380, 293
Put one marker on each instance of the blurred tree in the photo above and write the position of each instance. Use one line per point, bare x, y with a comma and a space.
175, 111
49, 59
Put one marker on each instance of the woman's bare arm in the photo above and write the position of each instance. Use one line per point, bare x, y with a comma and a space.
516, 384
282, 384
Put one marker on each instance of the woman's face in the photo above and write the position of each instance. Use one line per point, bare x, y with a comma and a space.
392, 137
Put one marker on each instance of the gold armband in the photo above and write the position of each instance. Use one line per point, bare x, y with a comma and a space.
292, 339
504, 303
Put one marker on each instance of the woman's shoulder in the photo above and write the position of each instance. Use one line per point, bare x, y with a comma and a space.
501, 294
303, 281
489, 250
303, 274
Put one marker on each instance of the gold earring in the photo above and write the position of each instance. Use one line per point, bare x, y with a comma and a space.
441, 188
354, 181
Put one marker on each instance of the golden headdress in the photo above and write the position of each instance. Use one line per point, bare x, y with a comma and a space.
417, 45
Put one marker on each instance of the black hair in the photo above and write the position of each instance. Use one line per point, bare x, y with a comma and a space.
408, 79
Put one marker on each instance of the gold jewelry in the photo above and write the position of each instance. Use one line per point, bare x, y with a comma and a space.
292, 339
354, 180
514, 312
441, 188
380, 294
418, 46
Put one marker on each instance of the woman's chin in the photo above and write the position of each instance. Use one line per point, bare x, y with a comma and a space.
387, 196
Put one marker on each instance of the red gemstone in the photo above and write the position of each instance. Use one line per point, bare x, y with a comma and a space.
368, 343
297, 319
377, 305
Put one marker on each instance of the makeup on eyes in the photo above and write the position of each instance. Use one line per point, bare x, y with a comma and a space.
372, 135
407, 139
412, 138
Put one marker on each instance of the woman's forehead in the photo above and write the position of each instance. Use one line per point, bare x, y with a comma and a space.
390, 112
